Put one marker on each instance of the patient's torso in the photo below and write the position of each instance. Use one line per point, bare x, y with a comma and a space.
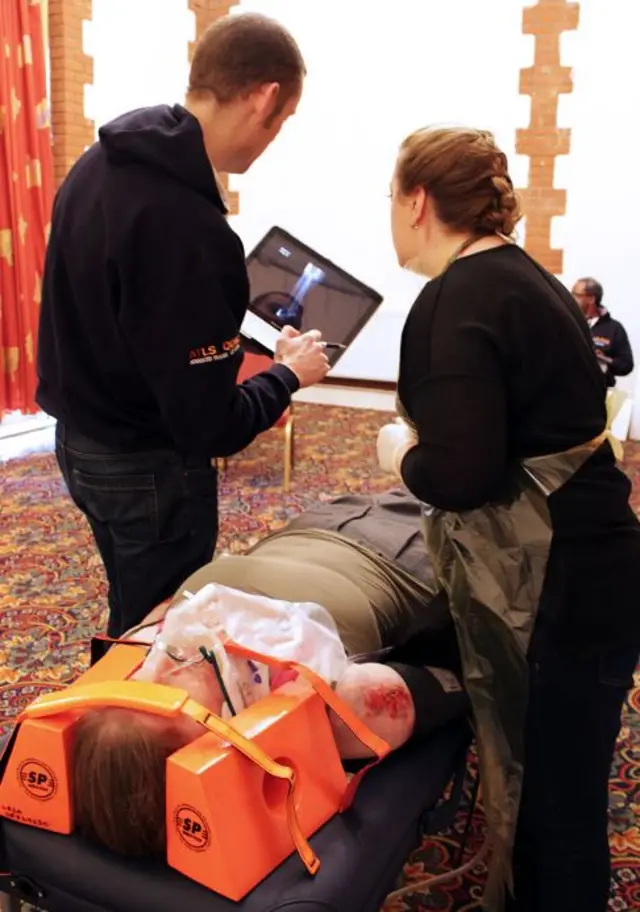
372, 602
389, 525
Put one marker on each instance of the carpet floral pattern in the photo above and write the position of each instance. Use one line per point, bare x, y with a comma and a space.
52, 598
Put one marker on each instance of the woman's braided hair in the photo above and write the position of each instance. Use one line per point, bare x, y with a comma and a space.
466, 176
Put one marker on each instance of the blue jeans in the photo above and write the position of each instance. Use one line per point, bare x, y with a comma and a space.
153, 514
561, 857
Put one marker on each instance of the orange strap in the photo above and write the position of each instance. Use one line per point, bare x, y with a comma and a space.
169, 701
375, 744
124, 641
278, 770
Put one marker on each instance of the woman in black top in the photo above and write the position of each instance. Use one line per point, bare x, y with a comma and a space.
497, 367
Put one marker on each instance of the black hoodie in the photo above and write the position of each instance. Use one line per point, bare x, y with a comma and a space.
144, 291
610, 337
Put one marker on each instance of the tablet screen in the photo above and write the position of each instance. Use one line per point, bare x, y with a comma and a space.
291, 284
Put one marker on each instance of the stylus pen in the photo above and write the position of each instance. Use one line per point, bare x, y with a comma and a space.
335, 345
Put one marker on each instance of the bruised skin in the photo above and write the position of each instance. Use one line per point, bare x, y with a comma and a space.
381, 700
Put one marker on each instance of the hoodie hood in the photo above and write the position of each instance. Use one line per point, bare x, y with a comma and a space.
603, 316
169, 139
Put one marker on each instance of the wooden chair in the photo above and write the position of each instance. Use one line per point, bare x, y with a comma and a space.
254, 364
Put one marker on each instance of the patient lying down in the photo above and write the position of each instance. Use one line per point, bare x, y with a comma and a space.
119, 755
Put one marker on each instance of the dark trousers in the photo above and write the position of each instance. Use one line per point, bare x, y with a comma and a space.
561, 857
154, 517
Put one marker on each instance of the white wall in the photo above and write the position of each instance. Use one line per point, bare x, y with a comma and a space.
139, 50
599, 233
372, 79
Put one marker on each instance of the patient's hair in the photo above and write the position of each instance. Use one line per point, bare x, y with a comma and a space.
237, 54
118, 778
466, 175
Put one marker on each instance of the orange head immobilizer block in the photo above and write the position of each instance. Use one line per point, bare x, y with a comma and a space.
239, 799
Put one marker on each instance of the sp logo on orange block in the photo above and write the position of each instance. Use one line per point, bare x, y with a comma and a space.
192, 828
37, 779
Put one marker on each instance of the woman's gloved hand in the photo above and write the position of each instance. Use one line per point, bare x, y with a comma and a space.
394, 441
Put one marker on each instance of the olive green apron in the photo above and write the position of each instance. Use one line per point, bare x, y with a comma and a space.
491, 562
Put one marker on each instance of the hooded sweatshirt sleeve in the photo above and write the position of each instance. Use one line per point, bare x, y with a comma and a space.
620, 353
182, 306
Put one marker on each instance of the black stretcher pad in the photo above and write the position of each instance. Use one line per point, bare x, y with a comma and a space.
362, 851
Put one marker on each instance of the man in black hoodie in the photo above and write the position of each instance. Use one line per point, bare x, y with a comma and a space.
144, 292
610, 339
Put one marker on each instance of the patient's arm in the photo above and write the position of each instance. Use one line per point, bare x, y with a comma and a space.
380, 698
397, 702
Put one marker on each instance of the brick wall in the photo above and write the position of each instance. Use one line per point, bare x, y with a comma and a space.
543, 140
71, 69
206, 12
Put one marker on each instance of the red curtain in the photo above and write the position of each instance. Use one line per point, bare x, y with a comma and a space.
26, 195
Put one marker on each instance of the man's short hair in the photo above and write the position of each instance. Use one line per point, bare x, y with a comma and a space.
237, 54
593, 288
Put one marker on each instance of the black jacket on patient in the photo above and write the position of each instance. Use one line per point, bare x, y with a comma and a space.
387, 524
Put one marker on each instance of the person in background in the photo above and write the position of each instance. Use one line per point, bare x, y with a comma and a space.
144, 292
496, 368
610, 339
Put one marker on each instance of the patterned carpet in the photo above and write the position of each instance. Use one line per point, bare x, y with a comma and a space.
52, 597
